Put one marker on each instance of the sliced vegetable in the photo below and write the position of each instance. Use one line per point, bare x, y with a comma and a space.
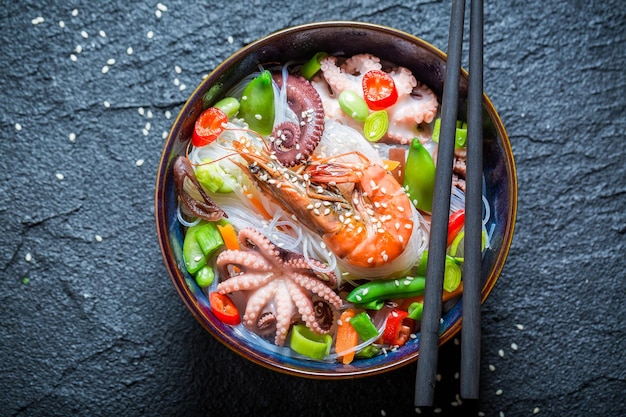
208, 237
455, 224
421, 268
368, 351
192, 252
384, 289
376, 125
205, 276
304, 341
229, 235
224, 308
415, 310
379, 90
213, 178
419, 176
310, 68
353, 105
460, 134
347, 337
209, 125
229, 105
397, 330
256, 106
451, 275
363, 325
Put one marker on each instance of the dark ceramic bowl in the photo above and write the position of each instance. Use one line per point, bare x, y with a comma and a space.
298, 43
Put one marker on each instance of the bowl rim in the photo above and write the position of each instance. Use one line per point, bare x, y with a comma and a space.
177, 277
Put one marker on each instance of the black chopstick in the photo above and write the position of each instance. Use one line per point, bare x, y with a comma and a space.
470, 333
431, 315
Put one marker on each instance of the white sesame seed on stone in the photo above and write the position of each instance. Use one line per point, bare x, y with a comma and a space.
145, 131
158, 13
79, 49
161, 7
75, 12
150, 34
148, 125
178, 69
37, 20
102, 34
501, 353
129, 50
481, 414
141, 111
168, 114
61, 24
492, 368
60, 176
536, 410
501, 414
98, 238
182, 87
106, 104
73, 57
514, 346
164, 134
111, 61
176, 82
105, 69
418, 410
72, 137
139, 162
437, 410
519, 326
230, 40
499, 392
18, 127
28, 257
84, 34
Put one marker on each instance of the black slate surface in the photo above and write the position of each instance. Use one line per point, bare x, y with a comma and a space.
90, 323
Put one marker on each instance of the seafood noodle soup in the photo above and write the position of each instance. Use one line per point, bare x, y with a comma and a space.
305, 198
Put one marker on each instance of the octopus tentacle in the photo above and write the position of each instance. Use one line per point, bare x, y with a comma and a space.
318, 288
293, 144
284, 312
305, 307
256, 302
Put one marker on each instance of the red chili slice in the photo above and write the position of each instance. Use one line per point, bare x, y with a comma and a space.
224, 308
209, 125
455, 224
379, 90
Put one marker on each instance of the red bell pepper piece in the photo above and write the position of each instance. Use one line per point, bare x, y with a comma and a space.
224, 308
455, 224
379, 90
209, 125
398, 328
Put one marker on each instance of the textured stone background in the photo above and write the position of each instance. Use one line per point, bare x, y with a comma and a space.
90, 324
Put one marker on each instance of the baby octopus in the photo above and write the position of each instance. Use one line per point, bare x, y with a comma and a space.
280, 285
416, 102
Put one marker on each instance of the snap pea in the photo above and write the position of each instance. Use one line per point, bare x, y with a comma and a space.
387, 289
256, 106
205, 276
419, 176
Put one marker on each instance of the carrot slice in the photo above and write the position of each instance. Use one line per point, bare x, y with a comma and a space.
347, 337
229, 235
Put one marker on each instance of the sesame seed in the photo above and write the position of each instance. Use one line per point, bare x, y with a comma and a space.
197, 258
258, 116
139, 162
164, 134
148, 125
129, 50
501, 414
105, 69
145, 131
437, 410
418, 410
456, 375
102, 34
182, 87
79, 49
60, 176
499, 392
84, 34
457, 341
61, 24
519, 326
514, 346
535, 410
28, 257
438, 377
481, 414
176, 82
178, 69
150, 34
230, 39
75, 12
72, 137
106, 104
98, 238
157, 13
18, 127
110, 61
37, 20
501, 353
370, 260
73, 57
383, 413
161, 7
168, 114
492, 368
